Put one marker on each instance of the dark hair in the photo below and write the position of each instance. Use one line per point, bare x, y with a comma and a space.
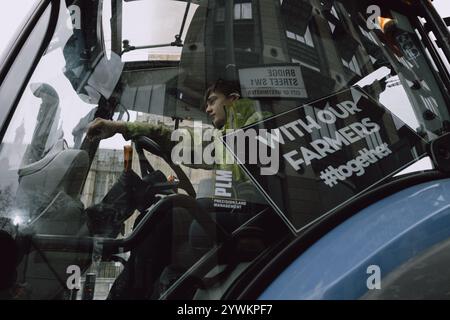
226, 87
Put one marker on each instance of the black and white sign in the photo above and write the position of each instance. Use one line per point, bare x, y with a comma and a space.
330, 151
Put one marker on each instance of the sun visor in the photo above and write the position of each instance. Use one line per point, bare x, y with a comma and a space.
298, 15
106, 75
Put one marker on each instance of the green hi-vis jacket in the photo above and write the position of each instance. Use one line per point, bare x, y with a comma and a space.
241, 113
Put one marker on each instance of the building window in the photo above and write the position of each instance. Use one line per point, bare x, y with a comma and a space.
243, 11
306, 38
332, 26
290, 35
352, 65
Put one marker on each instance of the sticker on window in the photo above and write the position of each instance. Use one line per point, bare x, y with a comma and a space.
329, 151
224, 194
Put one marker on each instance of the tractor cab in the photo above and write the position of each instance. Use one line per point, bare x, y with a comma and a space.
336, 105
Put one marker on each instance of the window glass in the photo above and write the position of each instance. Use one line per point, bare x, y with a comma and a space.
336, 90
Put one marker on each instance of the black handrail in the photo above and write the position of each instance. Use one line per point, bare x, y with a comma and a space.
144, 227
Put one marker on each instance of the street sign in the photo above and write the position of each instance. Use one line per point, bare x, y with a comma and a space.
276, 81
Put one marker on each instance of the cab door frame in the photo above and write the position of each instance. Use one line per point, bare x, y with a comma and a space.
23, 55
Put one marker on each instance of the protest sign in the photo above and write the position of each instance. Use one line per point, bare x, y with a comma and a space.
330, 151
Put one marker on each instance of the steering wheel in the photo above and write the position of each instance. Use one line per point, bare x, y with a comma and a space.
145, 143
